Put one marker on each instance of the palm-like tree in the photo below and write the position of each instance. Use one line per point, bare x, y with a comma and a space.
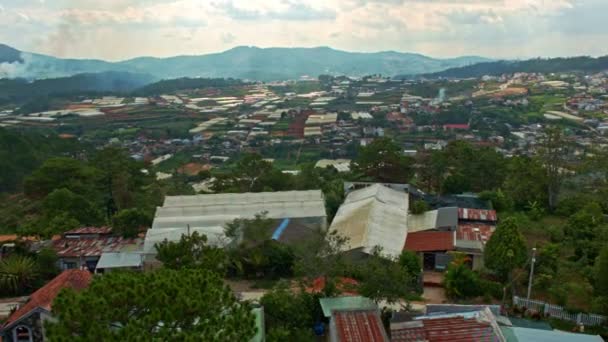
17, 273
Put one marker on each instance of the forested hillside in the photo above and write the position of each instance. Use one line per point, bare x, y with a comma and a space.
540, 65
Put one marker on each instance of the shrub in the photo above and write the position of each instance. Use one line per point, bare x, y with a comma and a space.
419, 207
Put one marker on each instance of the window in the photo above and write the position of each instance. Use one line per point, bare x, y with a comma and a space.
69, 265
21, 333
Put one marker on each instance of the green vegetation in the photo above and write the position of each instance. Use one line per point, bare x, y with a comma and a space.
158, 305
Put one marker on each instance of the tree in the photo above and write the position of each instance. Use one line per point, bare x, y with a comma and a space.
191, 252
411, 264
65, 202
250, 174
163, 305
128, 222
553, 152
419, 207
384, 279
290, 315
250, 232
46, 263
526, 182
57, 173
460, 282
17, 273
383, 161
321, 256
506, 249
601, 273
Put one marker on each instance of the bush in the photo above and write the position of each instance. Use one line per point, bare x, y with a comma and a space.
491, 288
460, 281
419, 207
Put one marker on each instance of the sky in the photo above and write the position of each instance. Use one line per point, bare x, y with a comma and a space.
123, 29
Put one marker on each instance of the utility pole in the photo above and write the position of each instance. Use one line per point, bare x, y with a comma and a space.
531, 272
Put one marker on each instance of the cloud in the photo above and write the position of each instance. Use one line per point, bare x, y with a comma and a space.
118, 29
287, 11
228, 38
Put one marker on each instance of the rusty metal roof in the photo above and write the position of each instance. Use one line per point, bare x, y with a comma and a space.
89, 230
477, 214
475, 232
95, 246
452, 329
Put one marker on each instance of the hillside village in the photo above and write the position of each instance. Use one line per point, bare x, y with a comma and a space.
323, 209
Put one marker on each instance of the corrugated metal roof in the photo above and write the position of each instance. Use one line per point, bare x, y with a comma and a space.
89, 230
357, 326
429, 241
537, 335
475, 232
477, 214
478, 326
94, 246
329, 305
119, 260
373, 216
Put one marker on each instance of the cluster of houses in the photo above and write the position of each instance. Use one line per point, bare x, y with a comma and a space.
373, 215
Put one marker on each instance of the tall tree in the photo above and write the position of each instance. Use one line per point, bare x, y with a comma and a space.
191, 251
553, 152
506, 249
128, 222
384, 279
383, 161
163, 305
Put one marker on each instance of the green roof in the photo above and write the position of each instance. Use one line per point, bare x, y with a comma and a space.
516, 334
346, 303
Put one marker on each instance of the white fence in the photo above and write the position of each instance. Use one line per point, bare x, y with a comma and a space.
557, 311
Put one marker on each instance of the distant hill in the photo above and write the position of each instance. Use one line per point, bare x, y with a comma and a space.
9, 55
550, 65
247, 63
20, 90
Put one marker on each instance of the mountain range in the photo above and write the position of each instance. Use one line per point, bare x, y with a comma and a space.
253, 63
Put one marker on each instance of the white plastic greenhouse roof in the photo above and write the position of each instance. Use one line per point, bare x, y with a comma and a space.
244, 198
282, 204
215, 236
374, 216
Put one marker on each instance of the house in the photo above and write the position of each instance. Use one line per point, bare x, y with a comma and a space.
353, 318
374, 216
26, 323
83, 248
480, 326
432, 246
475, 227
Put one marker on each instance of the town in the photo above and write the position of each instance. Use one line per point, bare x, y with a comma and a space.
327, 208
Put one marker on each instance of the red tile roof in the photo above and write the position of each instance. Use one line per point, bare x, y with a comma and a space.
428, 241
359, 326
92, 246
456, 126
477, 214
452, 329
89, 231
475, 232
43, 298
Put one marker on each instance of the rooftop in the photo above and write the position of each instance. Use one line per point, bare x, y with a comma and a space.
357, 326
477, 326
89, 231
427, 241
477, 214
74, 248
44, 297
